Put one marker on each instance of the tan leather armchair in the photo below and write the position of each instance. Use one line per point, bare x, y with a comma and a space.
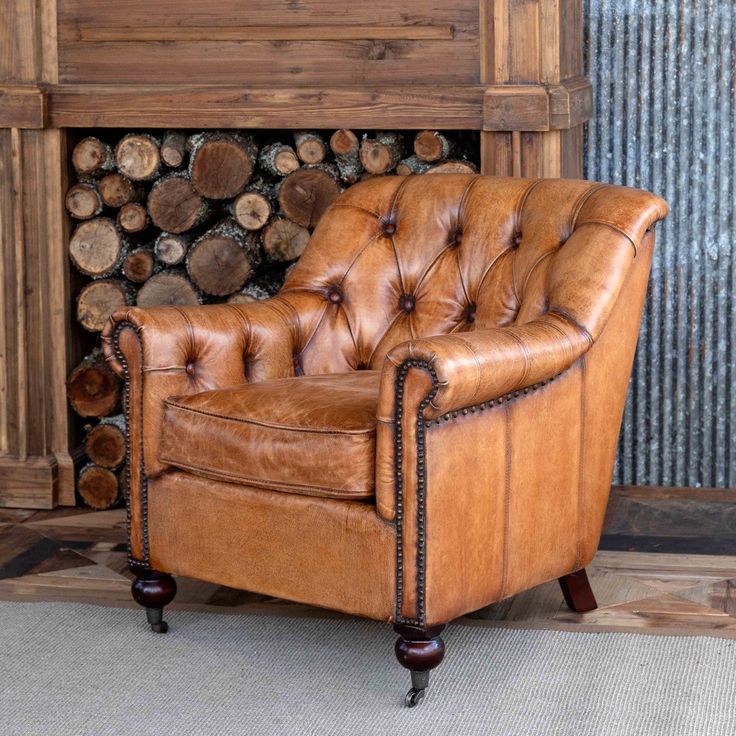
422, 422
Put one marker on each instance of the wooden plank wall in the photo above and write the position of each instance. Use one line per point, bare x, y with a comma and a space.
511, 69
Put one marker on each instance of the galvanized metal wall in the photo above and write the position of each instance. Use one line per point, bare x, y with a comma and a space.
665, 120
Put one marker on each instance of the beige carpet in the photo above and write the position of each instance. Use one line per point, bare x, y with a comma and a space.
79, 670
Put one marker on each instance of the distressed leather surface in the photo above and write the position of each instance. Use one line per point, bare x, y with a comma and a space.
314, 435
493, 477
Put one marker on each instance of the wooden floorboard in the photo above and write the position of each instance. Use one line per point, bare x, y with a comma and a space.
667, 565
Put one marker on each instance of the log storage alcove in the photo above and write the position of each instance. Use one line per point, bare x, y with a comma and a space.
149, 82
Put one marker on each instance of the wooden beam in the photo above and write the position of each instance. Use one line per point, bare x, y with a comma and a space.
267, 33
22, 106
230, 106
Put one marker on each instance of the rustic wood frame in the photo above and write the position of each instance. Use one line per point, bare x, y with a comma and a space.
526, 94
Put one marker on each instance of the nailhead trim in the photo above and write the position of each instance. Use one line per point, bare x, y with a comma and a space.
421, 548
490, 404
132, 562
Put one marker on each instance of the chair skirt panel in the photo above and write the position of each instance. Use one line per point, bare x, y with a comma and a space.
325, 552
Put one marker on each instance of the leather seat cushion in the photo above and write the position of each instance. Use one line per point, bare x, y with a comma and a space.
311, 435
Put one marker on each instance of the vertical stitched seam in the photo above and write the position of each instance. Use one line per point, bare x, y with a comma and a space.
506, 503
581, 466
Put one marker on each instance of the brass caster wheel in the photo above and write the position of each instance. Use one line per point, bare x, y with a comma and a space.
160, 628
414, 697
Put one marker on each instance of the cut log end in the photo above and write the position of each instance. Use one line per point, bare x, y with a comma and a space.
174, 205
138, 265
223, 259
310, 147
306, 194
381, 154
83, 201
168, 288
105, 445
93, 389
98, 487
170, 249
173, 149
117, 190
251, 210
432, 146
138, 156
98, 300
284, 240
92, 157
344, 142
96, 247
132, 217
221, 164
454, 167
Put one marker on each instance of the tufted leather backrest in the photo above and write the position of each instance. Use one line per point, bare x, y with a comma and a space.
397, 258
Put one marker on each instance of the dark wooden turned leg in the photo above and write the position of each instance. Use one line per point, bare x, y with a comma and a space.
419, 650
577, 592
154, 590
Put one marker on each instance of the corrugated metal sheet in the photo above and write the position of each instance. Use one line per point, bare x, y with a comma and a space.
665, 120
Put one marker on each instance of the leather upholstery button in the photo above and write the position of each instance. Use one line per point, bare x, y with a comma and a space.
334, 296
516, 240
469, 314
190, 368
456, 238
389, 228
407, 302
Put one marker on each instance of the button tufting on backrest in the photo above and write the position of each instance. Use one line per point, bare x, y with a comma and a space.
407, 302
497, 278
190, 368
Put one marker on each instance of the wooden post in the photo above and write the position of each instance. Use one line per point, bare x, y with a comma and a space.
36, 468
536, 99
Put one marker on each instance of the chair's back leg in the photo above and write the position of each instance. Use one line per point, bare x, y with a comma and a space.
577, 592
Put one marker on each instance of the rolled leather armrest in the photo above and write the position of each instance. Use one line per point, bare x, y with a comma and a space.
176, 351
473, 367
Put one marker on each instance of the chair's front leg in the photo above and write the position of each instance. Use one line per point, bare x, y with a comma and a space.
419, 650
153, 590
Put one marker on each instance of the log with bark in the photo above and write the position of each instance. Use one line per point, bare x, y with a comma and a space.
98, 487
346, 148
138, 156
83, 201
97, 247
173, 148
310, 146
105, 442
307, 193
99, 299
92, 158
171, 248
174, 205
412, 165
168, 288
433, 146
224, 258
381, 154
453, 167
221, 164
278, 159
92, 387
284, 240
117, 190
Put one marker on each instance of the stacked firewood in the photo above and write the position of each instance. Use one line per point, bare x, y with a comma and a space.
184, 219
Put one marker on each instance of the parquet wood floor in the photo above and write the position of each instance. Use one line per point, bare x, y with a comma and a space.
667, 565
